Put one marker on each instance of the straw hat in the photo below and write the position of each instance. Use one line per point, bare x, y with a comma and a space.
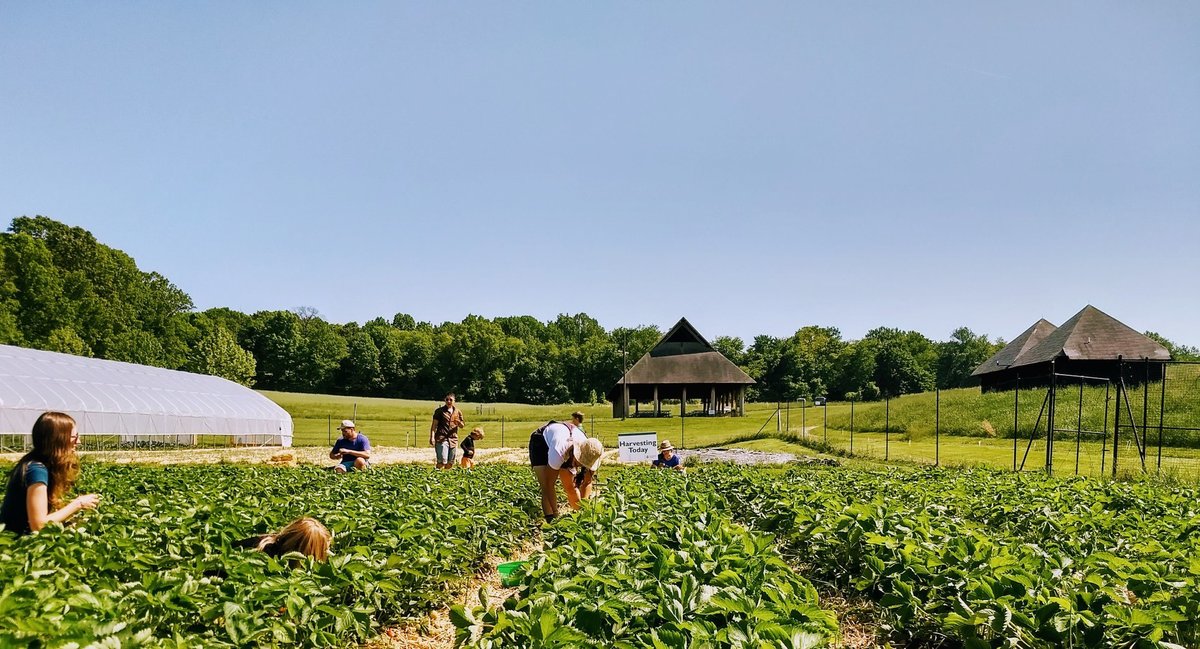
665, 446
590, 454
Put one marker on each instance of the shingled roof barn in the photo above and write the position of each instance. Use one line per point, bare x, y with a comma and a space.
683, 365
1092, 343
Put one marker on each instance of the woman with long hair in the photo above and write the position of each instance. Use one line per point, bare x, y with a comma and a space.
42, 478
304, 535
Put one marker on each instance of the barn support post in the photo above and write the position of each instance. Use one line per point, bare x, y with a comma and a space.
657, 402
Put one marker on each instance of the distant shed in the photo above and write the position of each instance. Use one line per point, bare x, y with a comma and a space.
682, 365
1091, 343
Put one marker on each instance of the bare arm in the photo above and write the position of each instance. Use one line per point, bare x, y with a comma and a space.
568, 482
37, 507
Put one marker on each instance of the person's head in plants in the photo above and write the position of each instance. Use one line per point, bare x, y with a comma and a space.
352, 450
667, 458
304, 535
577, 419
555, 453
43, 477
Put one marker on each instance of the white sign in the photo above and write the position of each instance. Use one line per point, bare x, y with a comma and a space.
638, 447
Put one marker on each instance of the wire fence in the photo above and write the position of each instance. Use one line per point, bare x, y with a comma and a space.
1143, 419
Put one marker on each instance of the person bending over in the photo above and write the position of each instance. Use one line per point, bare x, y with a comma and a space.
304, 535
556, 454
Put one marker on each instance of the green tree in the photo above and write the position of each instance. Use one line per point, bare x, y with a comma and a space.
960, 355
218, 354
1178, 352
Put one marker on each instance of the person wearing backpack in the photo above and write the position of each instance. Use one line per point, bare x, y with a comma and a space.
556, 453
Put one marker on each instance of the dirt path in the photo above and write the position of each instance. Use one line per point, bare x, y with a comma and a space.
436, 631
308, 455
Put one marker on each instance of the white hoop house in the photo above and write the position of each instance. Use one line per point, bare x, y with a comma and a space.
133, 402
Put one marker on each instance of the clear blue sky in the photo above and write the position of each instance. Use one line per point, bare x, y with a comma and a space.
753, 166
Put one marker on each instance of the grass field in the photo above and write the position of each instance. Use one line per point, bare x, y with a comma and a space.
403, 422
400, 422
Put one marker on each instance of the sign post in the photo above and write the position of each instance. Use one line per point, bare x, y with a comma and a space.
638, 447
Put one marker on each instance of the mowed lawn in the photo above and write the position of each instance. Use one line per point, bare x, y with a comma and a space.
404, 422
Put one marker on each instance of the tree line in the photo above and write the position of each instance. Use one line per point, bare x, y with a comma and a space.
62, 290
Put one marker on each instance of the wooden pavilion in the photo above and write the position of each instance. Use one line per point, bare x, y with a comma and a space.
1090, 344
682, 365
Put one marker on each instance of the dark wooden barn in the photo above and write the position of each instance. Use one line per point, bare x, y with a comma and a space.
682, 365
1092, 344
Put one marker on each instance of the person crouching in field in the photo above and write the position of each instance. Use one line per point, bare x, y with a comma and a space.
468, 447
305, 535
667, 459
556, 453
352, 451
39, 481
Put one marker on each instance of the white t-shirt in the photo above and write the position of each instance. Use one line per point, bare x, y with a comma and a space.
559, 439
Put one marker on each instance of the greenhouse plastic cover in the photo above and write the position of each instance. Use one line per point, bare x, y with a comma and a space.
113, 398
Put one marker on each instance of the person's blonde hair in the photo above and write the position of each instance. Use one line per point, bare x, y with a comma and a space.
478, 429
53, 447
304, 535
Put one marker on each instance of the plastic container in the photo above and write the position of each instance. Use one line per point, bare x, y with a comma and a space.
509, 576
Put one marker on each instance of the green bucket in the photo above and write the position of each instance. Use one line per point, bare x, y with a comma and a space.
508, 573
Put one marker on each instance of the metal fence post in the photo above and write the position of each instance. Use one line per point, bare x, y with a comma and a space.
328, 430
825, 418
1050, 419
1016, 410
1162, 404
852, 425
1079, 427
501, 431
1104, 440
887, 429
937, 427
1117, 414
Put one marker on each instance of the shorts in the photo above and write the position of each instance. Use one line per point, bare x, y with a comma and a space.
348, 465
539, 451
444, 449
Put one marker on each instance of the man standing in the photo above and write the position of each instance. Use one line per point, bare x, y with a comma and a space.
443, 432
352, 451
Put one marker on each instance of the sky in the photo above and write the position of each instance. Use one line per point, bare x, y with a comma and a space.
754, 166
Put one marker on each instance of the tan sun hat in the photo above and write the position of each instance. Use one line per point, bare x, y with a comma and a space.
346, 423
591, 453
665, 446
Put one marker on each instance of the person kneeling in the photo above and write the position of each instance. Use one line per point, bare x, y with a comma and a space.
353, 450
667, 459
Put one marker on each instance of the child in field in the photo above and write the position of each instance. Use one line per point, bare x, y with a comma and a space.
304, 535
667, 459
468, 447
39, 481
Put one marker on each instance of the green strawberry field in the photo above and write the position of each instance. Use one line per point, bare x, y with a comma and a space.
719, 557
